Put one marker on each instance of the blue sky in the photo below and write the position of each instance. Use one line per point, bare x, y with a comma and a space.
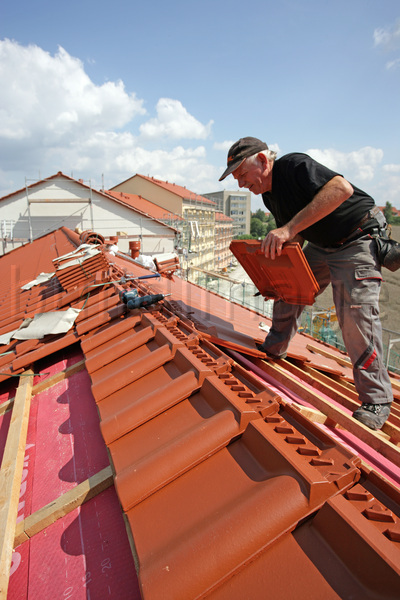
102, 90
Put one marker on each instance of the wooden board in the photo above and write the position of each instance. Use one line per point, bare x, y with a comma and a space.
11, 475
63, 505
377, 440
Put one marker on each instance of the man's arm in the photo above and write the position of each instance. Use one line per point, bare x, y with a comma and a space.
330, 196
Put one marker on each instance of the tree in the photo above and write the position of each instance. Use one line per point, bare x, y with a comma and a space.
388, 212
271, 224
260, 214
258, 229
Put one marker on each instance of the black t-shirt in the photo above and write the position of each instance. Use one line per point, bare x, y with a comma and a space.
296, 179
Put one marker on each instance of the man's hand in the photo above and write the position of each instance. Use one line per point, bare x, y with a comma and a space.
272, 244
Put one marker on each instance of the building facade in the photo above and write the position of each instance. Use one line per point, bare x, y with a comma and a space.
57, 201
223, 238
198, 228
234, 204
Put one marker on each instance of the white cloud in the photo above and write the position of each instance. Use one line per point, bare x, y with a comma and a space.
156, 162
54, 118
224, 146
48, 99
381, 37
391, 168
388, 188
393, 64
184, 166
388, 37
173, 121
357, 165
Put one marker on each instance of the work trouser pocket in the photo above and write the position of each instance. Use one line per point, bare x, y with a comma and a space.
367, 283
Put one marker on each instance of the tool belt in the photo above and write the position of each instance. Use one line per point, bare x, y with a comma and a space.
374, 224
368, 223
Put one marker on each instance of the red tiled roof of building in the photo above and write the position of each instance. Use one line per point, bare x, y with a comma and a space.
144, 206
395, 211
179, 190
219, 216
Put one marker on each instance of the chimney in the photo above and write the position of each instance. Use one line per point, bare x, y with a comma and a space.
134, 248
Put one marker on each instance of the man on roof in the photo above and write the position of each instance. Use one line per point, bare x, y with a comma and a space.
313, 203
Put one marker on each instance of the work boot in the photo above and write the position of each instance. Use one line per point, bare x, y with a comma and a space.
373, 415
269, 354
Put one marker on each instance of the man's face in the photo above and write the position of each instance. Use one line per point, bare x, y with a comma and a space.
255, 175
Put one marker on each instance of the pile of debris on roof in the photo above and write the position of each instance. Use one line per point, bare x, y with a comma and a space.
148, 450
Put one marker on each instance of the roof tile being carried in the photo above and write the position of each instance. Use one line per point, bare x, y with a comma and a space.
287, 277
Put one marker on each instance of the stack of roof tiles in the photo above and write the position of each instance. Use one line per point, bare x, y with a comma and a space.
228, 489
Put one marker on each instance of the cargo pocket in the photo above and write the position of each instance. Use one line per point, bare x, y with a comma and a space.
366, 286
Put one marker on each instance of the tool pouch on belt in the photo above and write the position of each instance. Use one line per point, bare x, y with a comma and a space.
388, 249
388, 252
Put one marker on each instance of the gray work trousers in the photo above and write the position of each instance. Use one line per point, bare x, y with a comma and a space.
355, 274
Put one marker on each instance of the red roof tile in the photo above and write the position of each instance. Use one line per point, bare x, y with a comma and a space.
287, 277
145, 206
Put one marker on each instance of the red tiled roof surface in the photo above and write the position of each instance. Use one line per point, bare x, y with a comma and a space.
145, 206
236, 477
221, 217
179, 190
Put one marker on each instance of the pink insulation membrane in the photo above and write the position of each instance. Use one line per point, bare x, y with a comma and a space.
381, 464
8, 389
86, 554
369, 455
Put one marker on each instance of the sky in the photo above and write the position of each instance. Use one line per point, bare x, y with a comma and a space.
104, 90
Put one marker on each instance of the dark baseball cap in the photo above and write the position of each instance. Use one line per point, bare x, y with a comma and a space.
240, 150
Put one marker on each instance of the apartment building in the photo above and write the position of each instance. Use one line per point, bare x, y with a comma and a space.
223, 238
234, 204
